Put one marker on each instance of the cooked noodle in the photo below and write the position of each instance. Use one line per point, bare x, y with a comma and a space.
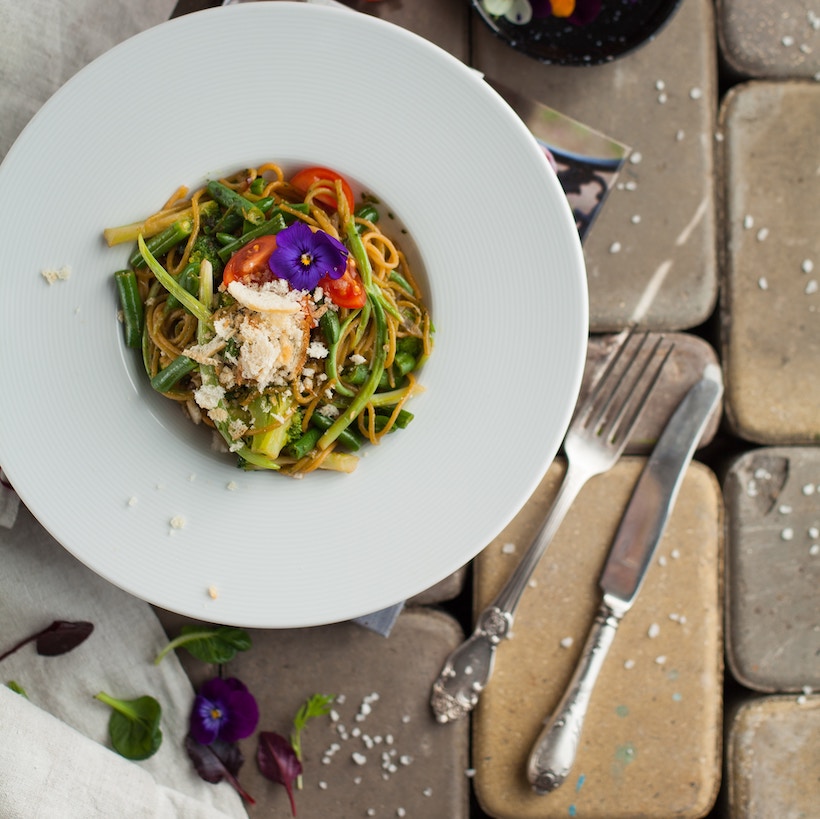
326, 381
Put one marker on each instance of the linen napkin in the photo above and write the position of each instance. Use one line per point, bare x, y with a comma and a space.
54, 751
45, 43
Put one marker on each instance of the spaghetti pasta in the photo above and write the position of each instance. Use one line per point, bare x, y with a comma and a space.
279, 315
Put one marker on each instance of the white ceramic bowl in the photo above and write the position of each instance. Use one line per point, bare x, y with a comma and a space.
105, 464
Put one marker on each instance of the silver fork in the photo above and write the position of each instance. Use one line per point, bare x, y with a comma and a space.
594, 441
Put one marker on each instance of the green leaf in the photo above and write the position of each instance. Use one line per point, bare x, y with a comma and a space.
133, 727
17, 688
211, 644
315, 706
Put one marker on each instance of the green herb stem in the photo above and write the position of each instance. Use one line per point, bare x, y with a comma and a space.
192, 304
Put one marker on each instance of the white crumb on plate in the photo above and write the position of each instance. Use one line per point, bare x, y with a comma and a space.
52, 275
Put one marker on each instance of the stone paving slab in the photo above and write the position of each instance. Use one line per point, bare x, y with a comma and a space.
773, 758
651, 745
770, 300
690, 356
769, 38
772, 499
383, 690
656, 234
443, 22
447, 589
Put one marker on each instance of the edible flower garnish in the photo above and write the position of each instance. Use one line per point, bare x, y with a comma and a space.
223, 709
304, 256
521, 12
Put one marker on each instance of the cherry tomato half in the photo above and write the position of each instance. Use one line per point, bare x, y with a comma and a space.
347, 290
250, 263
303, 179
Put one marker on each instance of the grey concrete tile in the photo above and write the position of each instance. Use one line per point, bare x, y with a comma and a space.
651, 745
447, 589
443, 22
284, 668
651, 251
769, 38
770, 297
772, 498
773, 757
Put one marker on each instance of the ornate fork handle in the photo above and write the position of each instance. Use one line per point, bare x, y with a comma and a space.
554, 752
468, 669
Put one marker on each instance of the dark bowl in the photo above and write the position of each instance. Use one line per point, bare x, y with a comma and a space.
621, 27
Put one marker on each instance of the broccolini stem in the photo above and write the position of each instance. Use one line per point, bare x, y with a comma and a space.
189, 302
364, 395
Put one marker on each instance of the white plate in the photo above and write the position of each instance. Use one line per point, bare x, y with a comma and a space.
81, 433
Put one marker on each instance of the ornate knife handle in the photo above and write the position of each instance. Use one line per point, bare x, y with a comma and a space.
554, 752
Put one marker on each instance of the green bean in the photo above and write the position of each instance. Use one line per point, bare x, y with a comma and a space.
160, 244
346, 437
401, 282
230, 221
330, 327
265, 204
272, 225
404, 363
189, 280
368, 211
131, 304
257, 186
358, 375
179, 367
403, 418
301, 447
409, 344
229, 198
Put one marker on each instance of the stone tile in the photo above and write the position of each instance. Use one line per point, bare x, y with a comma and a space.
773, 758
683, 370
444, 24
772, 498
445, 590
770, 302
651, 745
286, 667
769, 38
661, 100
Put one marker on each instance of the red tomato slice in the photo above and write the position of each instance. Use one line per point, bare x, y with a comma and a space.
250, 263
303, 179
346, 291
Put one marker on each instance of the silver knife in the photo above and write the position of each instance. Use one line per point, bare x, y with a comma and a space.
629, 557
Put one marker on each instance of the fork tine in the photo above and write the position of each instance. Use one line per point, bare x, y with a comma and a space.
593, 401
620, 427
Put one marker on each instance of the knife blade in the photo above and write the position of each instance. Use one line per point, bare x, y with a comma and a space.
630, 554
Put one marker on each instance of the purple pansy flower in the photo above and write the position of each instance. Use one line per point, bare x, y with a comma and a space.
304, 256
223, 709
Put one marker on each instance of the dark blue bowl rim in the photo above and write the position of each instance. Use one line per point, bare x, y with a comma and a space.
557, 42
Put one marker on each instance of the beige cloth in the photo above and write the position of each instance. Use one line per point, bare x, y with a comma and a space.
54, 751
45, 42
